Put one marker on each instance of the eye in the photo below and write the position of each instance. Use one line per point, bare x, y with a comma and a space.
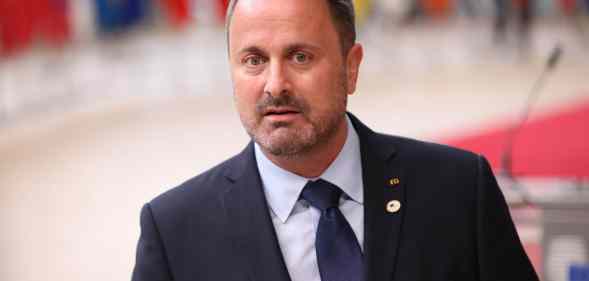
301, 57
254, 60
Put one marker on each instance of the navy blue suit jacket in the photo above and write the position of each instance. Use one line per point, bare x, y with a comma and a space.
453, 223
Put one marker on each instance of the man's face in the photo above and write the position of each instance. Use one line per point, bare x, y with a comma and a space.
289, 76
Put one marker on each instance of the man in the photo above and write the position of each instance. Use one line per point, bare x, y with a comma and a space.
317, 195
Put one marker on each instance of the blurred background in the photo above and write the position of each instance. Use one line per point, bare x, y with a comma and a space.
106, 103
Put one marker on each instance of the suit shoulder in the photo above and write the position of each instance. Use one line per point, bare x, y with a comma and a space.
442, 171
423, 151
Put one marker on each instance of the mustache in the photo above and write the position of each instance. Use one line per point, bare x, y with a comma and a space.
282, 100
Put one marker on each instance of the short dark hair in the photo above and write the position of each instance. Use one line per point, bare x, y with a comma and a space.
342, 15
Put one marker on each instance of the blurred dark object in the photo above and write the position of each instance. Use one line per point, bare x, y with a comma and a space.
118, 15
414, 12
24, 21
502, 9
524, 10
434, 9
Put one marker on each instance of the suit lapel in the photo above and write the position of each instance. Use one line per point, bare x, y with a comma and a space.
383, 192
248, 215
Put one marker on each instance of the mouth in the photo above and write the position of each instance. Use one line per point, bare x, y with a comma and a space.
278, 111
282, 115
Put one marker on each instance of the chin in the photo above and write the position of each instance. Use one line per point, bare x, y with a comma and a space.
285, 143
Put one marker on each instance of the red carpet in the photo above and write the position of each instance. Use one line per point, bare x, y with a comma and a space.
553, 145
534, 251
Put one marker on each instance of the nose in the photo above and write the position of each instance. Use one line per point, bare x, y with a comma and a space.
277, 81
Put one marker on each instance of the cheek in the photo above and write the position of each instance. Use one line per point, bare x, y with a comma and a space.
321, 89
247, 91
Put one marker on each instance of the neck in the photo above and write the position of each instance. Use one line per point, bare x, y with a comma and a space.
314, 162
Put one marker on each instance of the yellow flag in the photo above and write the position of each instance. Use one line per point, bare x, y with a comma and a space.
362, 10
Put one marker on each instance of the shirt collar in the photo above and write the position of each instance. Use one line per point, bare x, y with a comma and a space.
282, 188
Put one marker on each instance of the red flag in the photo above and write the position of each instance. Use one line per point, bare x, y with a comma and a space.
178, 11
16, 25
568, 6
21, 21
53, 21
222, 9
437, 8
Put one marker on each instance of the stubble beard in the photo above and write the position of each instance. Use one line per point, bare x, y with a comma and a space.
285, 140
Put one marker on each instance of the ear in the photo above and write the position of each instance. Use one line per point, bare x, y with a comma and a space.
353, 61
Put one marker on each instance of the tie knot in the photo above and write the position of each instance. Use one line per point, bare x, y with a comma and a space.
321, 194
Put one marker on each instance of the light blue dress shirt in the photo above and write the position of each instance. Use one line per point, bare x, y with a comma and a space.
295, 221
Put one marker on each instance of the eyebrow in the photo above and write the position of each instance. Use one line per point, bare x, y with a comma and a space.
251, 49
289, 49
299, 46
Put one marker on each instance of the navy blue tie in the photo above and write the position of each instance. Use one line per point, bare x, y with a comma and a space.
338, 251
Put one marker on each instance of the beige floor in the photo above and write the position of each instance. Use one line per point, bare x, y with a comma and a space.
72, 180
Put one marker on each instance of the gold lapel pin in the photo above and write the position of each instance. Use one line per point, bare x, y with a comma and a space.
394, 181
393, 206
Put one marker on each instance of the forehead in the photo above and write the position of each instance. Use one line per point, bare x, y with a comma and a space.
256, 22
